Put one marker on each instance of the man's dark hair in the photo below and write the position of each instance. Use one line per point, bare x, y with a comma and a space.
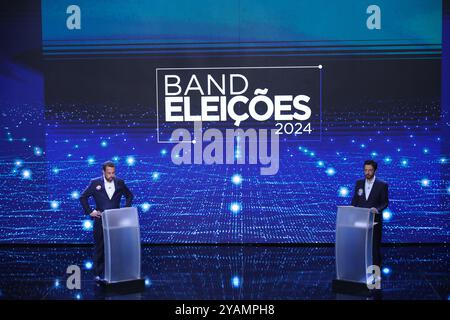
371, 163
108, 164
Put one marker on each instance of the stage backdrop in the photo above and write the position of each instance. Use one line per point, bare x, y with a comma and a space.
231, 121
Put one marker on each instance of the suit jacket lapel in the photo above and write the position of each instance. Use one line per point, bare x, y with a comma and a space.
363, 187
372, 191
115, 188
104, 187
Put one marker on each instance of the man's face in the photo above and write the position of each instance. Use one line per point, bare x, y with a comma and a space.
109, 173
369, 171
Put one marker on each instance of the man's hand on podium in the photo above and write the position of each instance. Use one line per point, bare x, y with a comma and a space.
96, 214
374, 210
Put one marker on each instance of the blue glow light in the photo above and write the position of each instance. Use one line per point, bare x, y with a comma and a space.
56, 283
78, 296
320, 164
442, 160
330, 172
235, 282
235, 207
148, 282
55, 170
387, 160
37, 151
116, 158
130, 160
104, 144
91, 160
88, 265
87, 225
425, 182
26, 174
54, 205
374, 154
448, 190
404, 163
155, 176
75, 195
163, 152
236, 179
145, 206
386, 270
387, 215
343, 192
426, 150
18, 163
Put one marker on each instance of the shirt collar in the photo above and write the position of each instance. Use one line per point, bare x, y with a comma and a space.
371, 181
106, 181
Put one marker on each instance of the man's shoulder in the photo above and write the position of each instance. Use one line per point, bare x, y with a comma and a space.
360, 181
119, 181
98, 179
381, 182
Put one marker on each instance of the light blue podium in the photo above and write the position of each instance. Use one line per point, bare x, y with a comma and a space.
353, 250
122, 249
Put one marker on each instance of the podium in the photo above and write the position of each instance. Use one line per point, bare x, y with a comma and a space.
122, 250
353, 249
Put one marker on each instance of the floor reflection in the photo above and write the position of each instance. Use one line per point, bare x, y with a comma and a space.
223, 272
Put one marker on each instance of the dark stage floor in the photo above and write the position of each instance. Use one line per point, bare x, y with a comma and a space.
223, 272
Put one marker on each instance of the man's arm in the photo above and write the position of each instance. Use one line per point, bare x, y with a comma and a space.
128, 195
88, 192
384, 199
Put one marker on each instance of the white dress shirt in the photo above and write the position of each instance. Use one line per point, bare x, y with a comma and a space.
368, 186
110, 187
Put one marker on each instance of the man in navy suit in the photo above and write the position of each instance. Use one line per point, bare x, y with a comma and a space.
372, 193
107, 192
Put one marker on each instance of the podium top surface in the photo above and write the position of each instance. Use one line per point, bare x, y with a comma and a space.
354, 209
119, 218
354, 217
118, 210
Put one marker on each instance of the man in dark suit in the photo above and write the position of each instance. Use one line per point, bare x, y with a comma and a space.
372, 193
107, 192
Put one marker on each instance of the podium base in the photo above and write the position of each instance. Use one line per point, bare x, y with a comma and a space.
350, 287
123, 287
